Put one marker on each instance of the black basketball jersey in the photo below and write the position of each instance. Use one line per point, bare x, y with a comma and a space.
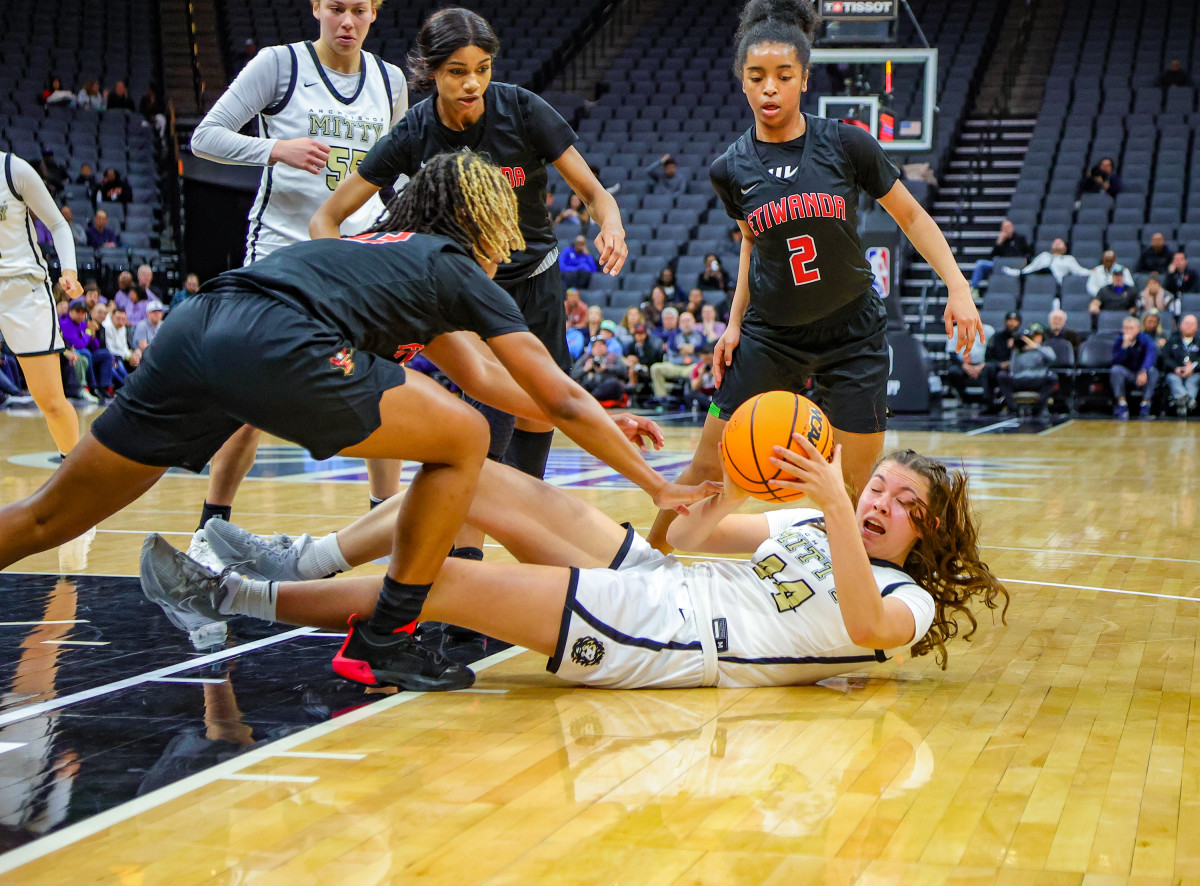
801, 201
389, 294
518, 131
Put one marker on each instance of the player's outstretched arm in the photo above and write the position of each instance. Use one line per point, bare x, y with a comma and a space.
577, 414
712, 527
929, 240
603, 207
351, 194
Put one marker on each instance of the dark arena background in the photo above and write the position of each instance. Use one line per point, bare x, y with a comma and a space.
1053, 142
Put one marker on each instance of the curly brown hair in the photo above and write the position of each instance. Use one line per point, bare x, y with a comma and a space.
945, 560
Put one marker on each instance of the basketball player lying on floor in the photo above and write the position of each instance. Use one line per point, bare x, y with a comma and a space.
822, 594
301, 344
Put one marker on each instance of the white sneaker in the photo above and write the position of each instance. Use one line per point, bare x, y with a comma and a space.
88, 397
201, 551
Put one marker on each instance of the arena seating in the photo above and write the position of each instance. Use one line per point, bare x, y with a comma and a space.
75, 40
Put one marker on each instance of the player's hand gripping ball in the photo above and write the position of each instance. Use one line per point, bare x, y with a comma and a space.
759, 425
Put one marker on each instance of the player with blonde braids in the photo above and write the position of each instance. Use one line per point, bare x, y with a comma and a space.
298, 347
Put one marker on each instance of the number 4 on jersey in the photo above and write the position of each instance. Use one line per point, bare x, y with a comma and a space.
791, 593
803, 251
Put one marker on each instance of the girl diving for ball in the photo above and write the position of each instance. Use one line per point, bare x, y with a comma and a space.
297, 345
826, 591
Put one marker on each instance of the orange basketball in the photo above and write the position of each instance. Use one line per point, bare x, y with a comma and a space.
762, 423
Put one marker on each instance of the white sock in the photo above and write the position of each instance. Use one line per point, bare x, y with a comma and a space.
246, 596
322, 558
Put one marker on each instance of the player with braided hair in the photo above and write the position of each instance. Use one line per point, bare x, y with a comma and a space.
295, 346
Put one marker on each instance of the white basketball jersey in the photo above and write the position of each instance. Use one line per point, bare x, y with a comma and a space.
350, 124
19, 253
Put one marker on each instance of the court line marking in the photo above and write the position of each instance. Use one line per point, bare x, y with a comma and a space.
148, 677
6, 746
250, 776
320, 755
75, 642
1052, 584
1051, 430
89, 826
1007, 423
190, 680
59, 621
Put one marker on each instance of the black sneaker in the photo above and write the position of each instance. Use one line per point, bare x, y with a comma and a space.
396, 660
461, 645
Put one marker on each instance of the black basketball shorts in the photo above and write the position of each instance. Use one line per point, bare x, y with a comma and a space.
228, 359
844, 354
540, 299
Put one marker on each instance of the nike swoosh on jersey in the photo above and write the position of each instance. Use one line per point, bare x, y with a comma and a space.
314, 83
746, 191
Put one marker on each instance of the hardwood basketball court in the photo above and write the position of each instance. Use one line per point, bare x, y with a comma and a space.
1056, 749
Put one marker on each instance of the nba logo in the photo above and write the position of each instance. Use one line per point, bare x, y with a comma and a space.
880, 259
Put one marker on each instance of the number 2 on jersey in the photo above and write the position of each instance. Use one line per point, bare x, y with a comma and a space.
803, 251
341, 162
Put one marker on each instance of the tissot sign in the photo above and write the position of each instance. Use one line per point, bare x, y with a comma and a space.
856, 10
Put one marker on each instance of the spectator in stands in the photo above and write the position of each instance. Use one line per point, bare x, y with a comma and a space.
644, 351
682, 344
119, 99
249, 50
145, 331
1180, 278
594, 318
1174, 75
1116, 296
1009, 244
713, 277
599, 373
1029, 370
608, 332
55, 93
1058, 329
703, 383
664, 173
90, 98
154, 109
1134, 355
1102, 275
575, 213
666, 279
1152, 326
1154, 296
653, 307
631, 318
1100, 179
78, 231
95, 360
97, 326
130, 299
99, 234
116, 337
577, 264
1056, 260
87, 178
191, 285
709, 324
964, 372
92, 296
998, 357
695, 301
1154, 257
577, 309
735, 236
51, 171
1179, 359
145, 276
113, 188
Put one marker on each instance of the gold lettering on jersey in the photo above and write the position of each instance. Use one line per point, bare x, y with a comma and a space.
805, 550
336, 126
790, 594
3, 211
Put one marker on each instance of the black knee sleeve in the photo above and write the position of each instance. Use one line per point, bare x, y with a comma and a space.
500, 427
529, 451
